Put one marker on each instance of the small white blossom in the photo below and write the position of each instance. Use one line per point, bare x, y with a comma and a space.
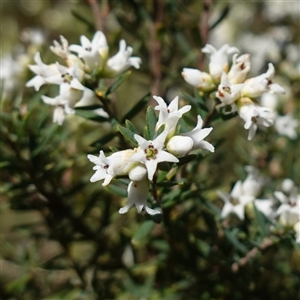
201, 80
239, 69
219, 59
180, 145
198, 135
235, 202
289, 210
109, 167
42, 72
150, 153
122, 61
169, 115
254, 182
255, 116
137, 196
266, 207
256, 86
228, 93
286, 125
93, 52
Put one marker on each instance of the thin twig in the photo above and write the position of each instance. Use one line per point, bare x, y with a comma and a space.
155, 47
266, 243
97, 14
204, 29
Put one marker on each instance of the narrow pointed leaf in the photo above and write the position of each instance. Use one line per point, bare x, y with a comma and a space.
117, 83
151, 121
128, 134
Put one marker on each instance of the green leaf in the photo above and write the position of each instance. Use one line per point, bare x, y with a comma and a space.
261, 221
151, 121
159, 131
117, 190
131, 127
117, 83
105, 139
194, 101
48, 135
136, 108
144, 230
235, 242
128, 134
90, 115
186, 159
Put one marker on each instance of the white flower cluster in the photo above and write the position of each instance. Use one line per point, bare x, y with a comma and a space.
91, 61
140, 164
233, 89
246, 192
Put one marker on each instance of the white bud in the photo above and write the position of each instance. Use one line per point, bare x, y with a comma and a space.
138, 173
180, 145
198, 79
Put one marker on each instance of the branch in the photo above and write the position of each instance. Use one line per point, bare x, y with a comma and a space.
98, 15
155, 47
204, 29
266, 243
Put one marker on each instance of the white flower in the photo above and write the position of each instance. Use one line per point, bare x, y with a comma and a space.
297, 230
219, 59
68, 76
42, 72
169, 115
256, 86
289, 210
150, 153
201, 80
198, 134
269, 100
180, 145
286, 125
254, 182
255, 116
228, 93
235, 202
266, 207
122, 61
137, 195
92, 52
109, 167
239, 69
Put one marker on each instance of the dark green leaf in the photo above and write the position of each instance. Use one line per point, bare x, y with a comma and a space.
131, 127
128, 134
89, 24
151, 121
90, 115
117, 83
235, 242
144, 230
186, 159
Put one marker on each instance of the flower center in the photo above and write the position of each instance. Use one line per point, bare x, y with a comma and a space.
151, 152
234, 201
227, 89
67, 78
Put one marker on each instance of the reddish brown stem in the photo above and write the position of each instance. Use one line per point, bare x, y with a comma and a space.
204, 28
155, 50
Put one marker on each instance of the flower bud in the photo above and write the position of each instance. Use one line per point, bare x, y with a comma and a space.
138, 173
180, 145
198, 79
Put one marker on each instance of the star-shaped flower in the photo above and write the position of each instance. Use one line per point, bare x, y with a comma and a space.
150, 153
108, 167
122, 61
235, 202
254, 116
219, 59
93, 52
198, 135
42, 72
169, 115
256, 86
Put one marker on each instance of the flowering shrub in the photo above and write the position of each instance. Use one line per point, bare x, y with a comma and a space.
217, 213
